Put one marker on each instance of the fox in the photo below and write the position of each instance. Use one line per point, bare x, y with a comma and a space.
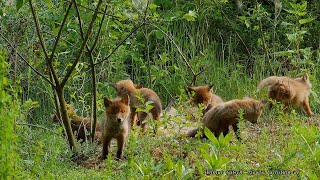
115, 125
81, 126
127, 88
203, 95
288, 91
220, 117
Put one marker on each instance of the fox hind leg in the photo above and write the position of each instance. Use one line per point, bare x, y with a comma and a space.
133, 116
306, 107
142, 117
235, 129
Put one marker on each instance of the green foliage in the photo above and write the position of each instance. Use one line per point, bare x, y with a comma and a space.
9, 111
237, 44
215, 159
145, 106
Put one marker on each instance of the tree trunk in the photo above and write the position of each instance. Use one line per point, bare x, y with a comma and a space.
65, 119
94, 90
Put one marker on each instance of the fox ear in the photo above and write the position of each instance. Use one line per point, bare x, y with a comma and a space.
138, 86
189, 88
69, 107
107, 102
264, 102
247, 97
210, 87
115, 86
125, 100
305, 77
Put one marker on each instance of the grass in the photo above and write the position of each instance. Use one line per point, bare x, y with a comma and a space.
277, 142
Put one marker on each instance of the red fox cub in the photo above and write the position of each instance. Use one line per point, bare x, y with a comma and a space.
203, 95
220, 117
81, 126
116, 125
125, 88
290, 92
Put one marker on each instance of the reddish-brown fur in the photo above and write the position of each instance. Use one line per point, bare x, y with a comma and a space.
116, 125
126, 88
220, 117
290, 92
203, 95
81, 126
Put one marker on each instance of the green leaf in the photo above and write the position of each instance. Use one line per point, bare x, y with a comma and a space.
19, 4
211, 136
304, 21
191, 16
286, 24
301, 13
29, 104
179, 168
226, 139
49, 3
168, 162
159, 34
292, 37
284, 53
303, 6
153, 6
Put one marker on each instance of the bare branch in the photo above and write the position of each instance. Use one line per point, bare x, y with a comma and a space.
65, 79
41, 127
59, 33
99, 31
194, 78
36, 20
104, 13
37, 72
134, 30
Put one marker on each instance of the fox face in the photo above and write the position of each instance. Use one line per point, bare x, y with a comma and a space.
117, 110
202, 95
255, 113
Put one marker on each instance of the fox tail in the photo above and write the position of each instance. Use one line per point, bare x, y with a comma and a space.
267, 82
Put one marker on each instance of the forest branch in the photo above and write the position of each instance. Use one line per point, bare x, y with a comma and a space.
37, 126
39, 32
104, 13
133, 31
84, 43
58, 36
37, 72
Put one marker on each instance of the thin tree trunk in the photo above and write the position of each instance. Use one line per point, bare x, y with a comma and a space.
94, 86
64, 114
55, 97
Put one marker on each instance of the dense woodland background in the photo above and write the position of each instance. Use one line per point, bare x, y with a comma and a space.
164, 45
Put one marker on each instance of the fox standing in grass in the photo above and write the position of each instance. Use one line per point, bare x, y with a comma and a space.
126, 88
81, 126
203, 95
290, 92
220, 117
116, 125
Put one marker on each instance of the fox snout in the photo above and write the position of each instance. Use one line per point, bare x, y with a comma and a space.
120, 120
